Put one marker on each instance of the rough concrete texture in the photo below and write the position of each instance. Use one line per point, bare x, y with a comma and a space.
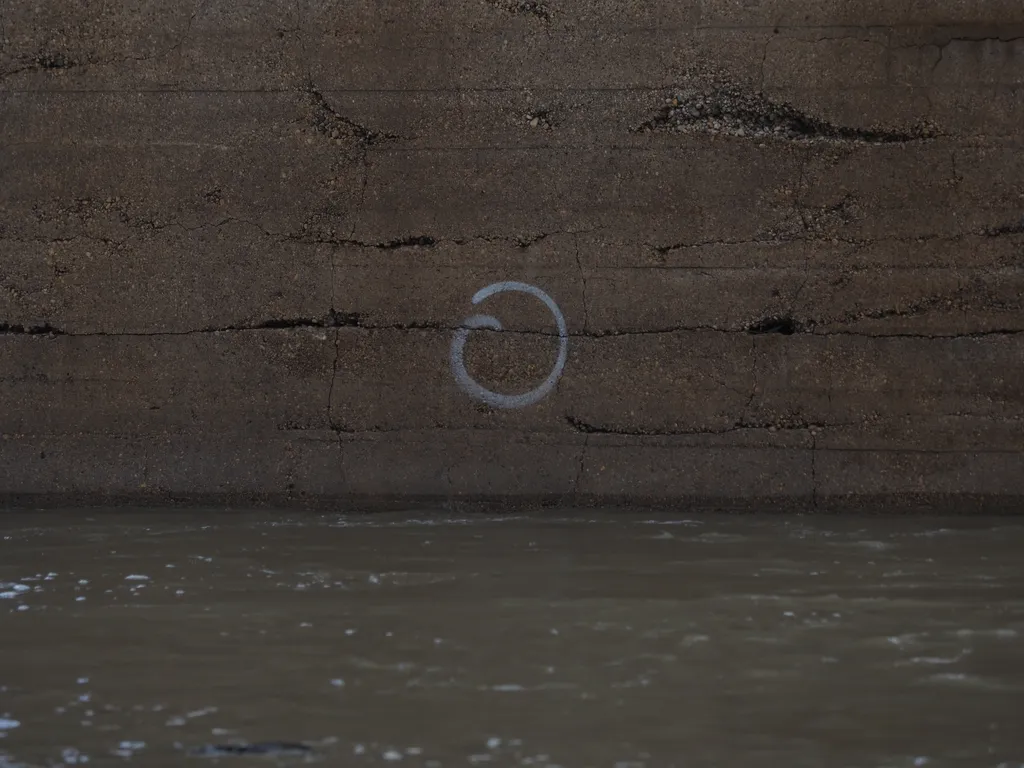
786, 236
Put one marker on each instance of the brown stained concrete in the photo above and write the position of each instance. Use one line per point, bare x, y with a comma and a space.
787, 239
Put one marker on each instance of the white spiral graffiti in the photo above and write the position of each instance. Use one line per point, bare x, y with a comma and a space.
495, 399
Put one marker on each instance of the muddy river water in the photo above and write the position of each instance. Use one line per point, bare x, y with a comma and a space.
628, 641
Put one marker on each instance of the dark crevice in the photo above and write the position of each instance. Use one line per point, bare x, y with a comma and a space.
1017, 228
45, 61
280, 323
421, 241
730, 110
45, 329
785, 326
416, 241
333, 319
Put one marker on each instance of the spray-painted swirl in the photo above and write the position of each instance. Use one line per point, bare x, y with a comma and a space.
495, 399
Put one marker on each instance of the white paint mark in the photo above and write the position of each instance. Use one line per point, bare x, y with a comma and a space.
458, 366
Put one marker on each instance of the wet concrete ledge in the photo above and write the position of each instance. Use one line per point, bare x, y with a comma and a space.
743, 470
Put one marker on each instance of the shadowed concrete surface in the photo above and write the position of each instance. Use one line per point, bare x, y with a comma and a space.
238, 239
636, 642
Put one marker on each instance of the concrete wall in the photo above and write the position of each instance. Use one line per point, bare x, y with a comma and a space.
238, 238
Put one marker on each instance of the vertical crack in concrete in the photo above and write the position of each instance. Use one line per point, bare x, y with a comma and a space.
334, 376
334, 275
188, 26
938, 59
764, 63
579, 470
831, 381
753, 379
583, 280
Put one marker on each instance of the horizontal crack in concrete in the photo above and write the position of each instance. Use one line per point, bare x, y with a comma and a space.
739, 426
44, 61
810, 236
417, 241
521, 241
1017, 228
355, 320
43, 329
